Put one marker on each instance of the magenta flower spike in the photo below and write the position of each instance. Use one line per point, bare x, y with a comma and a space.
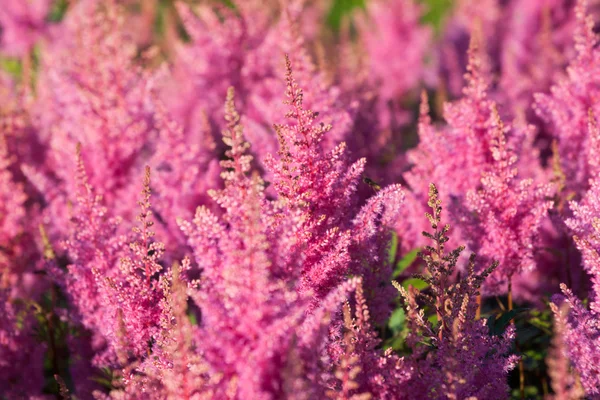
565, 109
582, 324
509, 213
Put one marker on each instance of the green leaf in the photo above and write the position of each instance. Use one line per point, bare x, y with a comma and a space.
393, 248
58, 11
229, 3
192, 318
435, 12
395, 343
396, 322
103, 381
545, 326
497, 326
531, 392
433, 319
106, 378
416, 283
11, 65
405, 262
340, 9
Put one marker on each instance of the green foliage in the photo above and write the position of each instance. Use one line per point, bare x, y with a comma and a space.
12, 66
541, 320
435, 12
405, 262
534, 333
54, 332
340, 9
531, 392
497, 324
416, 283
397, 329
192, 317
106, 378
397, 320
58, 11
161, 15
393, 251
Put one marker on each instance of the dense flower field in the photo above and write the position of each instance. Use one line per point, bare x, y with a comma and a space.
298, 199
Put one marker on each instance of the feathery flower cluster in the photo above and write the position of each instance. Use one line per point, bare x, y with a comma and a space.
91, 92
497, 214
395, 25
508, 212
568, 106
22, 23
117, 291
252, 297
318, 192
581, 330
270, 234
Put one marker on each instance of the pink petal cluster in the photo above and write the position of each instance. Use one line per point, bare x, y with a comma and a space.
582, 325
565, 382
113, 280
236, 49
395, 25
256, 333
260, 258
449, 155
508, 214
570, 101
498, 214
22, 24
317, 189
514, 34
93, 93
